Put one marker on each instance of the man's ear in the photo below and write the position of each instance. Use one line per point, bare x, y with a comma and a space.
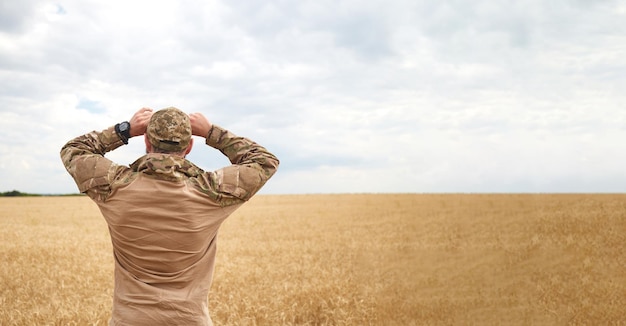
148, 145
189, 147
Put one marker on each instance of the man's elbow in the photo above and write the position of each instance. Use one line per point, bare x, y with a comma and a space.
271, 166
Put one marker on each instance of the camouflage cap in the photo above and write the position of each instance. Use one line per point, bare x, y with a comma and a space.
169, 130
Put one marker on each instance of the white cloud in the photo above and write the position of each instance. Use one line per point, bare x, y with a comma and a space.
353, 96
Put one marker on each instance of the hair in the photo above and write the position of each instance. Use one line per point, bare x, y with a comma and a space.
164, 151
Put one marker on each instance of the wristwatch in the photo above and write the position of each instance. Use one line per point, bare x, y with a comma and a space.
123, 130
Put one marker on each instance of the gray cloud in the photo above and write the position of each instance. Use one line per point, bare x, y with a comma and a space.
16, 16
419, 96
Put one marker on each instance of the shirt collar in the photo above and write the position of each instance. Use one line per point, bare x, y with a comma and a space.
166, 166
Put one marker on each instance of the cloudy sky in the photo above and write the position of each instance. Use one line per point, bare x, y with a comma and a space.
352, 96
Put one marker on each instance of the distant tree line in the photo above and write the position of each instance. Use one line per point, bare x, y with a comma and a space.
15, 193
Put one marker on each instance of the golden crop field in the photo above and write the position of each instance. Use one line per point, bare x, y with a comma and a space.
411, 259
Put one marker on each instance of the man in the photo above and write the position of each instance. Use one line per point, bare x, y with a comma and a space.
164, 212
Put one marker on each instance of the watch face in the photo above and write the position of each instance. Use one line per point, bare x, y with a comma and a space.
123, 127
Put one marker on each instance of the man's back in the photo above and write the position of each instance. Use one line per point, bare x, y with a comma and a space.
161, 229
163, 234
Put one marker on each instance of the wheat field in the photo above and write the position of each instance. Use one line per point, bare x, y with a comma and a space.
371, 259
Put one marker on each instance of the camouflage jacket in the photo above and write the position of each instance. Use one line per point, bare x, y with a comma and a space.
163, 214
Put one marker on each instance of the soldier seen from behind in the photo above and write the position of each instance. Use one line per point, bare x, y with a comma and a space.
163, 212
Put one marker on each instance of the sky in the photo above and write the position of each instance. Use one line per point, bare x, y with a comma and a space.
368, 96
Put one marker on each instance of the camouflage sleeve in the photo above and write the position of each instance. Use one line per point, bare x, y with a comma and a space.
252, 165
84, 159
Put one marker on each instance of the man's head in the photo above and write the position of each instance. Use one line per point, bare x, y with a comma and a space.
169, 131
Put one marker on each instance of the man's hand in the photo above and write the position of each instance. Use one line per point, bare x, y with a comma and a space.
200, 125
139, 122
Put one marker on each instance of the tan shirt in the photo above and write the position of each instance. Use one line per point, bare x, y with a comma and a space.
164, 214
